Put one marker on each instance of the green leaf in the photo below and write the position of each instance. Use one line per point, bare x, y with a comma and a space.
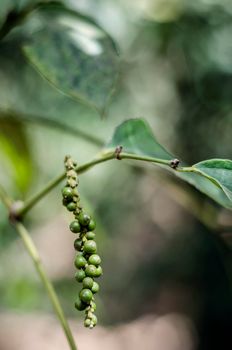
219, 172
218, 169
15, 155
74, 54
207, 186
25, 95
212, 177
136, 137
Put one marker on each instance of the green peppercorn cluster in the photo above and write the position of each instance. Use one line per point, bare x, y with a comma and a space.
87, 260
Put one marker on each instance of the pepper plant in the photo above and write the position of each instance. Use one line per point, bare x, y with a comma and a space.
65, 46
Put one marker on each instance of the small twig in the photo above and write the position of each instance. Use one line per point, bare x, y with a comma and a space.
81, 169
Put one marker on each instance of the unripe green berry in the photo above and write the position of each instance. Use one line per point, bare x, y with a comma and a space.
75, 226
94, 320
91, 225
75, 192
78, 244
90, 314
95, 287
71, 206
67, 193
72, 183
80, 275
90, 247
80, 261
84, 219
88, 282
98, 271
90, 270
86, 295
94, 259
65, 202
87, 322
71, 173
75, 199
93, 306
79, 305
90, 235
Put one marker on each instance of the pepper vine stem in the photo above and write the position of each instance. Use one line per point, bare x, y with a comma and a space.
32, 251
28, 204
30, 247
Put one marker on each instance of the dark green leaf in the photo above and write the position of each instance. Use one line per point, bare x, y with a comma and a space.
75, 55
24, 94
136, 137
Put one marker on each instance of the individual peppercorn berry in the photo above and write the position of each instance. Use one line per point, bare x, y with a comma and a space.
98, 271
86, 295
67, 193
78, 244
94, 259
94, 320
88, 282
75, 199
91, 225
80, 275
80, 261
87, 323
65, 202
71, 206
90, 235
95, 287
90, 247
84, 219
79, 305
75, 226
93, 306
72, 174
71, 182
90, 270
89, 314
75, 191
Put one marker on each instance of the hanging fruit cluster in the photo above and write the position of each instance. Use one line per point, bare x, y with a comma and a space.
87, 260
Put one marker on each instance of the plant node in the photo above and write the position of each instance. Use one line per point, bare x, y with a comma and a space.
14, 211
118, 151
174, 163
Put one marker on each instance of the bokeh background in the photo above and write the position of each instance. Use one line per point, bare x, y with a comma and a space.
166, 248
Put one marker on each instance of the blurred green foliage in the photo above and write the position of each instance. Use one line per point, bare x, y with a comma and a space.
176, 72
